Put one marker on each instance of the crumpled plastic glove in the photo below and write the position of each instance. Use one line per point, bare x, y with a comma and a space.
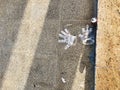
87, 36
67, 38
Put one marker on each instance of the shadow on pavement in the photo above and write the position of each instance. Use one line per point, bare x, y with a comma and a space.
11, 14
44, 69
87, 65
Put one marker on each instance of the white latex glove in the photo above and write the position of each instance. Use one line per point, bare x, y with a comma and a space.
86, 36
67, 38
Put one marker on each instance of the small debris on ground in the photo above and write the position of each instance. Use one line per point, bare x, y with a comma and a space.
63, 80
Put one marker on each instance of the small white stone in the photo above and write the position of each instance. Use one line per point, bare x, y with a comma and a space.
63, 80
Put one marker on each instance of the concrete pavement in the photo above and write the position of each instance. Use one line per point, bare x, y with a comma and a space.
31, 58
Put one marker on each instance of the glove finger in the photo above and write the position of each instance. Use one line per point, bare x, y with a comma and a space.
67, 31
66, 47
87, 27
61, 35
61, 41
83, 30
90, 30
64, 33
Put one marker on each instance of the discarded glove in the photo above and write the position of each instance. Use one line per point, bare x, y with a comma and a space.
67, 38
87, 36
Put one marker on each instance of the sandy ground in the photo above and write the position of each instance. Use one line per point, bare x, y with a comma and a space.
108, 46
30, 56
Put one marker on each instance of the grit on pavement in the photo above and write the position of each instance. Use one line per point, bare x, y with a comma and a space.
30, 56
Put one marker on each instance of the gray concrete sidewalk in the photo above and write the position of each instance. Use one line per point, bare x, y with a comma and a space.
30, 56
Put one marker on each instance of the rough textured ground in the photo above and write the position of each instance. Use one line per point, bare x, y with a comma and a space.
108, 46
30, 56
